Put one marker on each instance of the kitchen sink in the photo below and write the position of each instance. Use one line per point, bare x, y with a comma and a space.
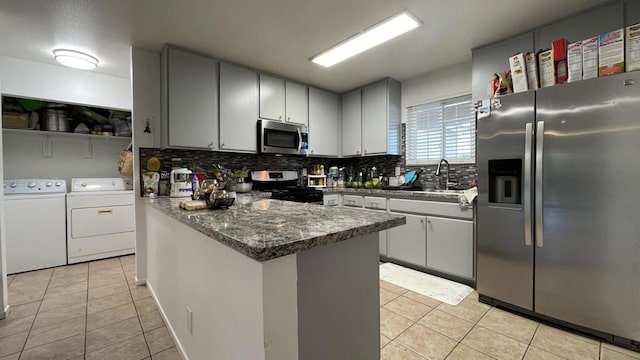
441, 191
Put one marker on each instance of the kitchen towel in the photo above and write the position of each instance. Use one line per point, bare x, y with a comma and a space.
434, 287
467, 197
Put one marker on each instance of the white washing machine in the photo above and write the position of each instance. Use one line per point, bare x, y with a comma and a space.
100, 219
35, 224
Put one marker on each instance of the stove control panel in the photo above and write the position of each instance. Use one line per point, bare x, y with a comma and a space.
35, 186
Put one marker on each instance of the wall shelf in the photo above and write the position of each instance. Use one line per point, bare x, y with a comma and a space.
48, 135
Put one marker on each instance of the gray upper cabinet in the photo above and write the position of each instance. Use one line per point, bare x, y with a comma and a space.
582, 26
490, 59
323, 123
190, 100
296, 103
381, 118
282, 100
272, 102
238, 108
352, 123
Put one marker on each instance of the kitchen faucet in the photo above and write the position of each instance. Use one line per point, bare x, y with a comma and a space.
439, 173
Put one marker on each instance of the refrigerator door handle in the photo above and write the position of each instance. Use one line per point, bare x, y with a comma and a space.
539, 180
528, 148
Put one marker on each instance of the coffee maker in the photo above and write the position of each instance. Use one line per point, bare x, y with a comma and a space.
181, 183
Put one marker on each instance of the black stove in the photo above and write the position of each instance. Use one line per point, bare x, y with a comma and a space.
297, 194
283, 186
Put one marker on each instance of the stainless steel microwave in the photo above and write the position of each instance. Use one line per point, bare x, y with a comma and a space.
276, 137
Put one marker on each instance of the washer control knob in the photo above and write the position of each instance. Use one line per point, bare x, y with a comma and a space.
13, 185
31, 185
58, 184
49, 184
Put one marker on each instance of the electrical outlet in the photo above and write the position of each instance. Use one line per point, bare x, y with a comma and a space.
189, 320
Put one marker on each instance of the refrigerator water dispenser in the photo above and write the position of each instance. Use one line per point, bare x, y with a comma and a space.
505, 179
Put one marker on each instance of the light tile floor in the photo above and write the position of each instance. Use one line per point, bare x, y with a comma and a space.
85, 311
416, 327
95, 311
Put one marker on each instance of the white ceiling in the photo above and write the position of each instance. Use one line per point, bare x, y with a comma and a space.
277, 36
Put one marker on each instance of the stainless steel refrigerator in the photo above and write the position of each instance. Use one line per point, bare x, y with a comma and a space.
558, 228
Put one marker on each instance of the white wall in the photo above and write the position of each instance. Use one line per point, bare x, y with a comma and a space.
438, 85
52, 82
70, 157
146, 106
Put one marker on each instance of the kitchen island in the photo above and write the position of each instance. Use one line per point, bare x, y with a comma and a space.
267, 279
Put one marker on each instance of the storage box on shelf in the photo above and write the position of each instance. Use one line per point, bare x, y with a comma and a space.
318, 181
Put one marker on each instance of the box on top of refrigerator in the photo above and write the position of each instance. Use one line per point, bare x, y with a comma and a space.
590, 58
559, 48
574, 59
518, 73
633, 47
531, 61
611, 53
547, 68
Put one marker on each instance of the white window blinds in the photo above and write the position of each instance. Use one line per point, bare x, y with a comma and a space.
441, 130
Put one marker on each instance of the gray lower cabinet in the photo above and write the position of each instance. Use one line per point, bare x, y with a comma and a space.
383, 242
450, 246
331, 200
239, 101
408, 242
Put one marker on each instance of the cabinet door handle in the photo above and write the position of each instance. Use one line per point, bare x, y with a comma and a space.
221, 145
374, 204
289, 118
365, 151
105, 211
357, 151
422, 222
280, 117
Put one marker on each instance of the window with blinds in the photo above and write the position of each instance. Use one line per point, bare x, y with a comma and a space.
441, 130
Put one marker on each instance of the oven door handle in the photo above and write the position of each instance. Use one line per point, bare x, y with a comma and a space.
299, 139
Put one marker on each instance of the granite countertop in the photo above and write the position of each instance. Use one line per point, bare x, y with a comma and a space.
265, 229
447, 196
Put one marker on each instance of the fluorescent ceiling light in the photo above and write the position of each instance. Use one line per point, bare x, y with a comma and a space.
375, 35
75, 59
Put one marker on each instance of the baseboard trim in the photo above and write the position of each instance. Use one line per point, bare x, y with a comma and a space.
181, 351
5, 313
140, 282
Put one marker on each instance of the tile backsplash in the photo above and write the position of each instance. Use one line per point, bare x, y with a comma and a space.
386, 164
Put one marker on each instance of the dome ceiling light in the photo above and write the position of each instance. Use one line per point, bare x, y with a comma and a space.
75, 59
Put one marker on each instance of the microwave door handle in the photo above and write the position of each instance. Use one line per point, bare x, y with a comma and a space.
299, 139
